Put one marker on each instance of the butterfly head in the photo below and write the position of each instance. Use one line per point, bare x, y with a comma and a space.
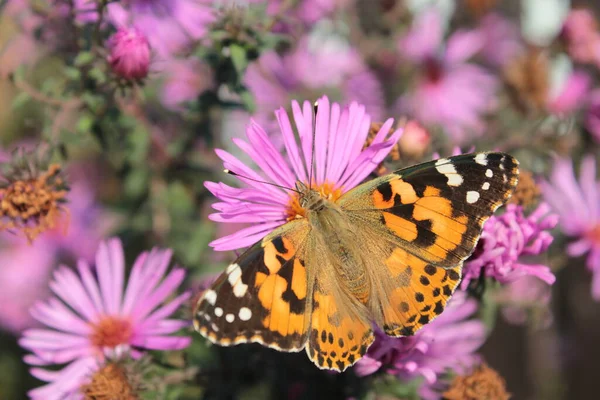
309, 199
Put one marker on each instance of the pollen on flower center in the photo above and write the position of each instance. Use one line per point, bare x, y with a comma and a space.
327, 190
111, 332
33, 205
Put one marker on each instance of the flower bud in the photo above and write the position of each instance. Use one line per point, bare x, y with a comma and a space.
129, 54
414, 141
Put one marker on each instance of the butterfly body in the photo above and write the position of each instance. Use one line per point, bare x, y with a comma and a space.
388, 252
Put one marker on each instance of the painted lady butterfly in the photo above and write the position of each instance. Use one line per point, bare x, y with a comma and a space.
389, 252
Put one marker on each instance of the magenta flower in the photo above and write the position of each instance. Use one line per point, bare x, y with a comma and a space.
341, 162
507, 238
447, 343
449, 92
578, 204
169, 25
92, 317
129, 54
316, 65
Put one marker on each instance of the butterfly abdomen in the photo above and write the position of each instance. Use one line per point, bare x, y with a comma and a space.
336, 234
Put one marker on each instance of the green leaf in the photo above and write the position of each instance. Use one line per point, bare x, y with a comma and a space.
85, 123
98, 75
20, 100
72, 73
83, 58
136, 182
139, 145
238, 57
248, 101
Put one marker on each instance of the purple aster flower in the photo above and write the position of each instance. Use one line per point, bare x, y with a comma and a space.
169, 25
578, 204
508, 237
129, 54
316, 65
447, 343
526, 299
449, 92
93, 316
501, 41
341, 162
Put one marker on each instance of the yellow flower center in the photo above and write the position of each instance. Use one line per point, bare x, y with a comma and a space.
110, 332
326, 190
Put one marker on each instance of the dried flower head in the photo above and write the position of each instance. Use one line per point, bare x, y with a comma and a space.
32, 196
394, 154
480, 7
483, 383
111, 382
527, 192
527, 78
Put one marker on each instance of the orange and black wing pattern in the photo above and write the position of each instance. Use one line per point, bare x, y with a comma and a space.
262, 297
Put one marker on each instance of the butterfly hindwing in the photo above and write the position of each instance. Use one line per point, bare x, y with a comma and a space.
340, 331
262, 296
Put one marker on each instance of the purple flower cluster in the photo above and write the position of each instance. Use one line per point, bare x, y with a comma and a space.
506, 239
447, 343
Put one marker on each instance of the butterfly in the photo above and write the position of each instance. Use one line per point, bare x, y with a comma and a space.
387, 253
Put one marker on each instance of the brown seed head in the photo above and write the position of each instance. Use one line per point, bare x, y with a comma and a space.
483, 384
110, 383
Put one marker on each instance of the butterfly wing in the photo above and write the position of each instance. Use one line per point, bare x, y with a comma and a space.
340, 331
265, 296
424, 221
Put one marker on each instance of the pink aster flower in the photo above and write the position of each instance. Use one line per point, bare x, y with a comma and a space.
314, 66
95, 315
578, 204
449, 92
580, 33
341, 162
448, 343
571, 94
169, 25
129, 54
507, 238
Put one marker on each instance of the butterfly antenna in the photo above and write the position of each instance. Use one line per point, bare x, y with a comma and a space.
312, 150
229, 172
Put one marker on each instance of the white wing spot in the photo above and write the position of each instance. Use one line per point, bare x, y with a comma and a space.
218, 311
234, 279
245, 314
211, 297
214, 327
445, 167
472, 197
481, 159
489, 173
486, 186
229, 318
